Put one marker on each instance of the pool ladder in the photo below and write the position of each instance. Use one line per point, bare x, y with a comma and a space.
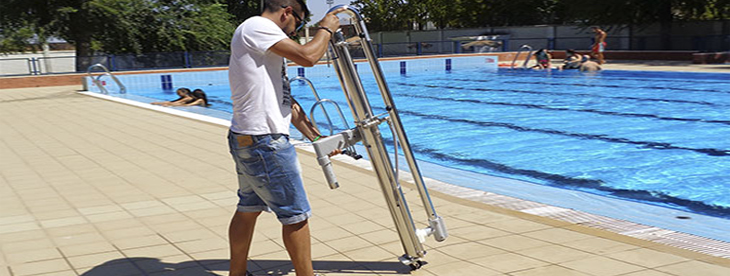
527, 59
97, 80
350, 150
367, 130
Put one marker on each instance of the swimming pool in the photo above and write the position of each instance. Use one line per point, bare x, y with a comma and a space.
659, 138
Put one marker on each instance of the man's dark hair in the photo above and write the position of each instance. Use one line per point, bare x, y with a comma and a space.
275, 5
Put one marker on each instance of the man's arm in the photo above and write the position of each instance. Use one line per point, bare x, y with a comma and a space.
309, 54
302, 123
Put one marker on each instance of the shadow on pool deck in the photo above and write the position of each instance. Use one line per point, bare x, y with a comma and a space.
263, 267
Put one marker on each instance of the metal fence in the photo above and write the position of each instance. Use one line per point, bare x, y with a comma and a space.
127, 62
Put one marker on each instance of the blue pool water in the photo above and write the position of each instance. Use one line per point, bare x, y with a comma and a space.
660, 138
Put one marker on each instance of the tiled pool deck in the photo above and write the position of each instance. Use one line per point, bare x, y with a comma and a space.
94, 187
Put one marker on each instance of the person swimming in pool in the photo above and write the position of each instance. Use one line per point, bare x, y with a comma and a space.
199, 98
572, 60
184, 94
187, 98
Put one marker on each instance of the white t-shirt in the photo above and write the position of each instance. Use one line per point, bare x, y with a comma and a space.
259, 86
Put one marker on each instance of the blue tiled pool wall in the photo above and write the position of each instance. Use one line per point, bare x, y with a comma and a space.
201, 79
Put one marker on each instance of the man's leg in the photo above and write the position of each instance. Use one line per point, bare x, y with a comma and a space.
240, 234
299, 245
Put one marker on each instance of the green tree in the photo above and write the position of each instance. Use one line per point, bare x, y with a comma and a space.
641, 13
120, 26
385, 15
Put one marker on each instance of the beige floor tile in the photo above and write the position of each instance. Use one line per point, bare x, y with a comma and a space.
476, 232
202, 245
58, 273
647, 272
155, 251
330, 234
691, 268
601, 266
32, 256
369, 254
646, 257
599, 245
362, 227
56, 214
126, 233
381, 236
514, 242
551, 270
47, 266
71, 230
115, 268
490, 219
97, 259
87, 248
21, 246
143, 241
462, 268
190, 235
18, 227
555, 254
151, 211
103, 209
22, 236
176, 226
470, 250
119, 215
508, 262
5, 220
348, 244
78, 239
265, 247
214, 256
557, 235
169, 263
166, 218
52, 223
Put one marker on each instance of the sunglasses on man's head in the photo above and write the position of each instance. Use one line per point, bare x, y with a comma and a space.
301, 23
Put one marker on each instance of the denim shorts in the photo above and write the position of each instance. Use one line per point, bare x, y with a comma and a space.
269, 176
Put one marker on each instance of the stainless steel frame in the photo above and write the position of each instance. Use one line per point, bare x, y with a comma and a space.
527, 59
367, 131
97, 80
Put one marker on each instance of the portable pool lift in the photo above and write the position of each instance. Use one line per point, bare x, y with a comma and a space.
367, 131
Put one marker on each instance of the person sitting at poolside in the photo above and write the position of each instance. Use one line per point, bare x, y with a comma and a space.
543, 59
588, 65
184, 94
572, 60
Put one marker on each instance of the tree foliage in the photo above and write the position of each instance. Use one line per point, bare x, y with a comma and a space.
117, 26
388, 15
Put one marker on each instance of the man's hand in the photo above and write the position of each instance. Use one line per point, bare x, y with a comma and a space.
331, 20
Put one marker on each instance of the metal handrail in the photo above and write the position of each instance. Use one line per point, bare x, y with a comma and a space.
529, 54
97, 80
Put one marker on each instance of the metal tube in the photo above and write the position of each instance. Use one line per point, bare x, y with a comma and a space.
398, 126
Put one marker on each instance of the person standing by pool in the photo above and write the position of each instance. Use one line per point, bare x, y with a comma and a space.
269, 176
599, 44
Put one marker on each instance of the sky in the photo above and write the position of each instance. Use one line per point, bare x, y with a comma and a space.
320, 7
